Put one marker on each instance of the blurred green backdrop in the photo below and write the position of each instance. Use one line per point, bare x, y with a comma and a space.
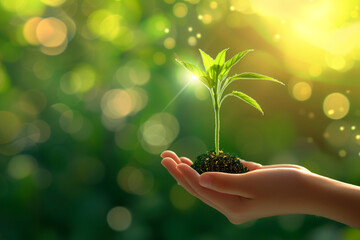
83, 86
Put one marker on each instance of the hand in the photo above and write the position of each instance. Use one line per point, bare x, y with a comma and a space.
266, 191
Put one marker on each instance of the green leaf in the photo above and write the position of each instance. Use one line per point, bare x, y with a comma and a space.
231, 62
207, 60
200, 74
247, 99
214, 72
220, 58
252, 76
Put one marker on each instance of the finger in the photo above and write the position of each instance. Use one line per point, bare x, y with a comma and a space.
170, 154
218, 198
171, 166
186, 161
251, 165
235, 184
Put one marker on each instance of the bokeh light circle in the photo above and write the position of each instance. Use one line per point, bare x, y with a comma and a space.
180, 10
29, 30
169, 43
116, 103
135, 180
119, 218
39, 131
302, 91
10, 126
157, 133
51, 32
336, 106
53, 3
21, 166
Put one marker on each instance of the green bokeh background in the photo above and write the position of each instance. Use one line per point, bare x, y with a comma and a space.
77, 126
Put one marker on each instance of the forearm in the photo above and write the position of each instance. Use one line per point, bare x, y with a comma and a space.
335, 200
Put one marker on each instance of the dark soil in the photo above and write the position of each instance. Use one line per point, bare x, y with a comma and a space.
224, 162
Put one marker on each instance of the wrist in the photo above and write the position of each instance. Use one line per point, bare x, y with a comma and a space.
333, 199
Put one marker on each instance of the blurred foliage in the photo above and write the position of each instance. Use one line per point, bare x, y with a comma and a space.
84, 84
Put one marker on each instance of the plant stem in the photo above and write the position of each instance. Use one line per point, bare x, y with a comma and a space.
217, 124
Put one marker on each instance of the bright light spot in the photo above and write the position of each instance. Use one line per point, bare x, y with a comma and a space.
157, 133
200, 17
277, 37
135, 180
169, 43
23, 8
116, 103
357, 137
207, 19
190, 29
342, 153
336, 62
353, 128
119, 218
232, 8
331, 112
10, 126
180, 10
54, 51
336, 106
194, 78
139, 99
21, 166
342, 128
315, 70
51, 32
53, 3
29, 30
181, 199
110, 26
198, 35
166, 30
302, 91
213, 5
192, 41
81, 79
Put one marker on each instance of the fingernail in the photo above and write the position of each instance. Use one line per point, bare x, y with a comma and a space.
205, 181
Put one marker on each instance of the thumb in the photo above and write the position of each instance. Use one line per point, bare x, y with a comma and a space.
235, 184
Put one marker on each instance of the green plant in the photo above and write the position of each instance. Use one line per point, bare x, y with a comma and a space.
215, 79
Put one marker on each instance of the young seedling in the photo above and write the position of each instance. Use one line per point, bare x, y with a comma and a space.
215, 78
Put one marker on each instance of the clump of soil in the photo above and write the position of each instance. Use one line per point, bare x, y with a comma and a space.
224, 162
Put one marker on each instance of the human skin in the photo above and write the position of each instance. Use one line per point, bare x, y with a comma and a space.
268, 191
